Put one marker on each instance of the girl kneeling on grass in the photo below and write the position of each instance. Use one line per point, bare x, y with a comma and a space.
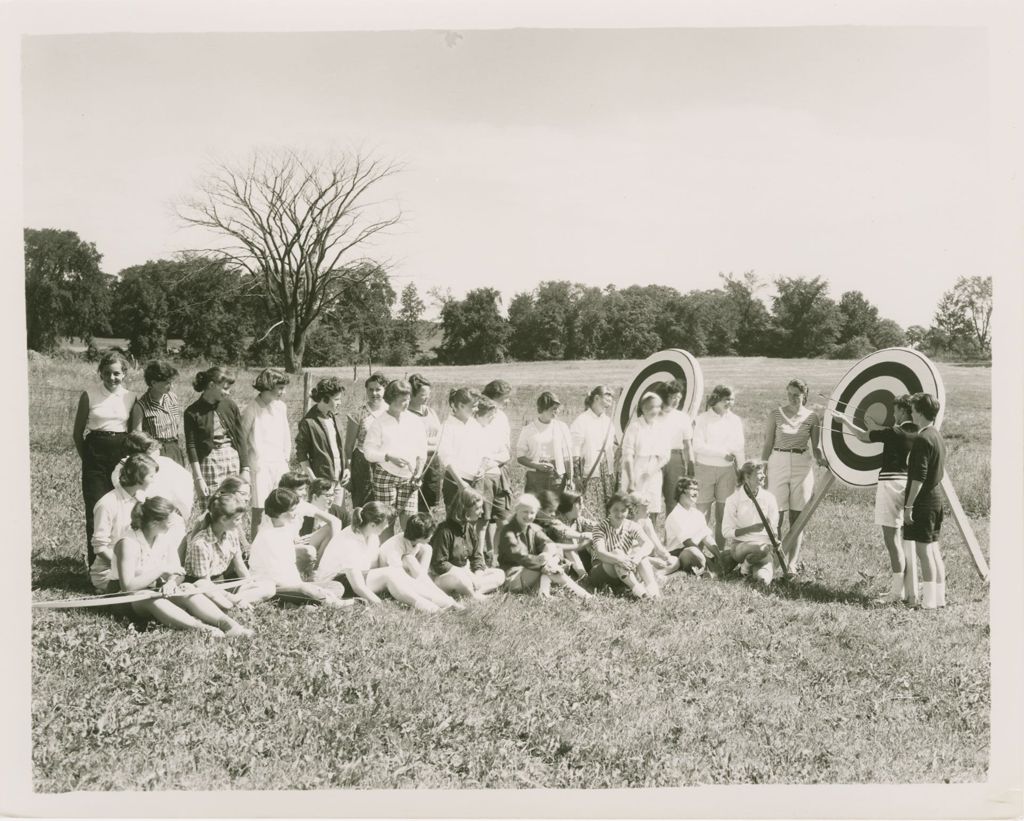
620, 552
354, 559
530, 560
411, 552
458, 565
687, 534
146, 560
274, 554
215, 547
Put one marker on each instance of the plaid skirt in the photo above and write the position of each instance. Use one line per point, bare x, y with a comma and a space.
218, 465
393, 490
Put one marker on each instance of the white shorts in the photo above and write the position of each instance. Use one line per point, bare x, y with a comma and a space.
791, 479
889, 502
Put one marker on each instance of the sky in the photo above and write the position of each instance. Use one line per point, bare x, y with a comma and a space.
618, 156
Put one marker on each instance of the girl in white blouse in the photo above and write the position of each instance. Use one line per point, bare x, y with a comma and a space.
460, 447
645, 451
718, 447
594, 439
545, 448
268, 437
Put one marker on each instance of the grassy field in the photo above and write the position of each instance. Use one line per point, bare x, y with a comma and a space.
717, 683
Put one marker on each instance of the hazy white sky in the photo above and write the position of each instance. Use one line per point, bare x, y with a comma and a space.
599, 156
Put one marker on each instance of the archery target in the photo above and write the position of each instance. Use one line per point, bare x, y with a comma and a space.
663, 366
869, 391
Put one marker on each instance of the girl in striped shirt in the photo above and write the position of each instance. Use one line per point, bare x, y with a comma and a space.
621, 552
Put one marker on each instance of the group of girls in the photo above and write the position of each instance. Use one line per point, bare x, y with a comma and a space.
399, 461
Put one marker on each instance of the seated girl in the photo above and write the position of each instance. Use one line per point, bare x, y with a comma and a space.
410, 552
458, 565
638, 512
530, 560
112, 518
558, 531
620, 551
354, 559
215, 547
274, 554
687, 535
172, 481
146, 559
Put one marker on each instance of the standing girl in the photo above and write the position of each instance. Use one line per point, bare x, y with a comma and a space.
645, 451
460, 447
679, 435
144, 559
718, 449
101, 424
319, 445
355, 433
793, 434
267, 439
157, 412
594, 440
213, 432
430, 488
496, 489
545, 448
396, 449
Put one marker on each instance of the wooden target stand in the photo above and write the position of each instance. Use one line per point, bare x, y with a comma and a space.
825, 480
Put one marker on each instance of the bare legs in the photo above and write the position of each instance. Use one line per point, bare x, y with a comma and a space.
191, 613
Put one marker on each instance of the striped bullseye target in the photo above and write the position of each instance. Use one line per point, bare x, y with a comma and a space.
663, 366
867, 393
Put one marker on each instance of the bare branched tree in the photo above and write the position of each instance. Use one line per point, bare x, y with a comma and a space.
294, 226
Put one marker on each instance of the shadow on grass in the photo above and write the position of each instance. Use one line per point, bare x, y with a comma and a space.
63, 573
816, 591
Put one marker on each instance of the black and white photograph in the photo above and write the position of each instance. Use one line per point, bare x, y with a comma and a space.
508, 408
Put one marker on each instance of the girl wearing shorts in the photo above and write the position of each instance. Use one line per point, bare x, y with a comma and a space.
430, 488
620, 552
791, 449
718, 450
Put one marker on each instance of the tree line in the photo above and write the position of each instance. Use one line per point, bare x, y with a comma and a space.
569, 320
285, 283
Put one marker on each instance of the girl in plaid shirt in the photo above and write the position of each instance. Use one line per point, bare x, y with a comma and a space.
215, 547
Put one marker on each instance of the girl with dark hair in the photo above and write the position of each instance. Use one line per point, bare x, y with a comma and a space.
545, 448
458, 565
268, 438
112, 517
355, 434
410, 552
594, 439
620, 551
145, 559
460, 447
678, 430
354, 558
495, 487
319, 444
793, 437
687, 535
158, 412
101, 424
274, 555
429, 494
396, 448
718, 446
172, 481
214, 440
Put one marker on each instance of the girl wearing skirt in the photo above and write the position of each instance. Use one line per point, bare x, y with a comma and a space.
213, 432
268, 439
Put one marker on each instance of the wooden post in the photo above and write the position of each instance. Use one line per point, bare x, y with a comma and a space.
805, 515
963, 524
307, 389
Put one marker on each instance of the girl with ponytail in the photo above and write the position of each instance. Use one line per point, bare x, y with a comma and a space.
146, 559
354, 558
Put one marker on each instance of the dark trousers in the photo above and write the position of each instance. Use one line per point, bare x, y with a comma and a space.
450, 488
430, 489
360, 487
102, 452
